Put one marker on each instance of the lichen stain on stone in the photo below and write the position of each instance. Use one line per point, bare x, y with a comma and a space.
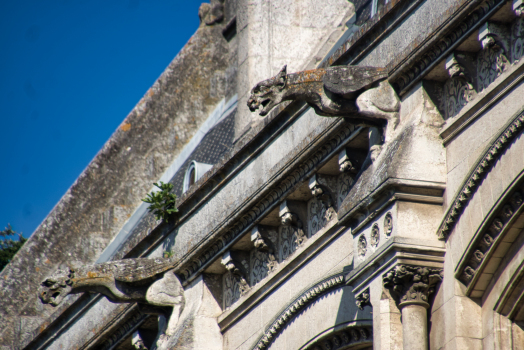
91, 274
125, 126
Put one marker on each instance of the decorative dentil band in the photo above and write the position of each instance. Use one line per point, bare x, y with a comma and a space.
482, 167
412, 284
299, 304
271, 199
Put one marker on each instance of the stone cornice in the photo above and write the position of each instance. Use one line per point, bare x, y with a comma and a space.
301, 302
421, 59
483, 166
189, 269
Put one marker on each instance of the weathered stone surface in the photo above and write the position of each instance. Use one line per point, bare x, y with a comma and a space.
109, 190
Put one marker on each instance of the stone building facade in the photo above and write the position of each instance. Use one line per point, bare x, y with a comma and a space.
370, 208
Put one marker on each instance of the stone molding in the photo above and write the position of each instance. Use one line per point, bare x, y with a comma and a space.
300, 303
412, 284
476, 257
353, 335
483, 166
244, 223
123, 331
404, 79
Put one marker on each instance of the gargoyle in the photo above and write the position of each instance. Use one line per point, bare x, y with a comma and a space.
145, 281
346, 91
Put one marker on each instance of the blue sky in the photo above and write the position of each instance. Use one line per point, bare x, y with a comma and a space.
70, 72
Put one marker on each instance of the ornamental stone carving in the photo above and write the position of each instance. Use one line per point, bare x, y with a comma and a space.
412, 284
492, 61
388, 224
363, 299
375, 236
362, 246
144, 281
350, 91
292, 234
458, 90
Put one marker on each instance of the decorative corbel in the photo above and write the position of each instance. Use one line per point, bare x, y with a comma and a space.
493, 35
261, 239
288, 217
232, 261
362, 299
346, 163
412, 284
458, 90
321, 192
138, 342
518, 7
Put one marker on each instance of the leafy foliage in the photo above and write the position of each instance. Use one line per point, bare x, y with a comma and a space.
162, 202
9, 246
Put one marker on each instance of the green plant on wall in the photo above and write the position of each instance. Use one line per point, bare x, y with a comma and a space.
162, 203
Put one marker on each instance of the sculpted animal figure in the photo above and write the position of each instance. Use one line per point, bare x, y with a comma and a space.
145, 281
344, 91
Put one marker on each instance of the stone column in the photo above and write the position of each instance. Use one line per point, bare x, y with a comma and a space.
411, 287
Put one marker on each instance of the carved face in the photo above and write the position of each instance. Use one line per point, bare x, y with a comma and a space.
268, 93
55, 288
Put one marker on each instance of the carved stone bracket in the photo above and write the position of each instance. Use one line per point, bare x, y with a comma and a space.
233, 262
261, 239
346, 163
494, 35
518, 7
412, 284
362, 299
321, 192
289, 217
458, 90
493, 59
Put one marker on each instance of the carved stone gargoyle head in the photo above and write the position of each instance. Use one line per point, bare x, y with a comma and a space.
55, 288
268, 93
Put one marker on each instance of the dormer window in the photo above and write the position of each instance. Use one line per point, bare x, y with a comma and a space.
194, 171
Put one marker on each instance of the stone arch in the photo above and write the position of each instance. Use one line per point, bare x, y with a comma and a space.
347, 336
321, 302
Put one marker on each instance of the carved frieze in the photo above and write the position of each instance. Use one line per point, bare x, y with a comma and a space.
492, 60
263, 257
322, 207
291, 235
517, 34
235, 283
412, 284
458, 89
363, 299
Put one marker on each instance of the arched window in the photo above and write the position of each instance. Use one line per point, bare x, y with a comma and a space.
194, 171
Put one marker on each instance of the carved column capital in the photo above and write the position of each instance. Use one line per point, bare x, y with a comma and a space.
412, 284
362, 299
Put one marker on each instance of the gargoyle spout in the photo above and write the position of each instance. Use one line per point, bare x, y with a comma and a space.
347, 91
